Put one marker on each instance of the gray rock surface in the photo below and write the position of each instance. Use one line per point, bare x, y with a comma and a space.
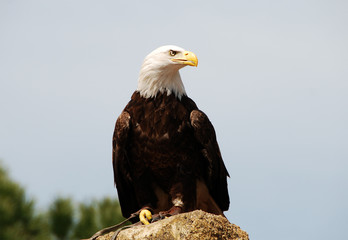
193, 225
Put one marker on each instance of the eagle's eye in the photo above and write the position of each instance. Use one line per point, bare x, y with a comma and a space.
172, 53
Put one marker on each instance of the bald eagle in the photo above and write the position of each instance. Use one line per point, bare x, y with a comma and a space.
165, 155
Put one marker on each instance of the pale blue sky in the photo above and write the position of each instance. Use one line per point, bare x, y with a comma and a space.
272, 77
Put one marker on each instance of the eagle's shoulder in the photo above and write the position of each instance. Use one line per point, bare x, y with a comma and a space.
197, 117
189, 103
122, 124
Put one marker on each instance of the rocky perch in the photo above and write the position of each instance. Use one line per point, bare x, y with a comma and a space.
193, 225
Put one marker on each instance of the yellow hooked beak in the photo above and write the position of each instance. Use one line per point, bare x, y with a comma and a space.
187, 58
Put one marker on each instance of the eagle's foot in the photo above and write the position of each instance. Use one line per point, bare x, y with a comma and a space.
145, 216
171, 212
165, 214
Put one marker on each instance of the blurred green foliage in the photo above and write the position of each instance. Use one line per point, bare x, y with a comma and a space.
61, 217
18, 219
64, 219
87, 224
109, 212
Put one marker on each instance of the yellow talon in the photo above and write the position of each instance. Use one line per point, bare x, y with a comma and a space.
144, 216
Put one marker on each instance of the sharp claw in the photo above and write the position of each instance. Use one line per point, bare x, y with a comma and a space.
145, 216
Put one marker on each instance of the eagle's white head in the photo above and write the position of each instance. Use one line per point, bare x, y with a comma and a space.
160, 71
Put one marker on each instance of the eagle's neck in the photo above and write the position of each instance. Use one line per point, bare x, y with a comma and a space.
154, 81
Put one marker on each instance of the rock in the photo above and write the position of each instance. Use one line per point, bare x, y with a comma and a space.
193, 225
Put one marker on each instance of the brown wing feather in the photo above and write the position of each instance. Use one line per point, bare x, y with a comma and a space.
216, 172
121, 166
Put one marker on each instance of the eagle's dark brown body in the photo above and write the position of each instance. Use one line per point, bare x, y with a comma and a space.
163, 149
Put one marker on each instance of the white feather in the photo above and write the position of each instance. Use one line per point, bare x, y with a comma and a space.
159, 74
